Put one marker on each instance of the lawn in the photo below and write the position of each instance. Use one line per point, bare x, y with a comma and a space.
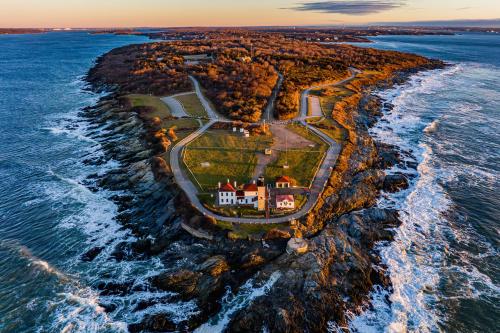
243, 231
302, 166
192, 105
302, 162
331, 128
219, 155
231, 140
223, 164
161, 110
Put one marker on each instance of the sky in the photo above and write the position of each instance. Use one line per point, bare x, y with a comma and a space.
181, 13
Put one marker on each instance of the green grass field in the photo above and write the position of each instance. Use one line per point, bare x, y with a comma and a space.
302, 162
229, 156
230, 140
192, 105
223, 164
302, 166
243, 231
161, 110
331, 128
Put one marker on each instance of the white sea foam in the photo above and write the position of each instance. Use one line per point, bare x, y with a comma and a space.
92, 214
416, 259
233, 303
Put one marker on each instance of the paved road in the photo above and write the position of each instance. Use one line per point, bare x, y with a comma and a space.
317, 187
268, 115
305, 93
212, 114
176, 108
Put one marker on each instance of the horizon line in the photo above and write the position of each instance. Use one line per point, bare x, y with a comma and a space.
475, 23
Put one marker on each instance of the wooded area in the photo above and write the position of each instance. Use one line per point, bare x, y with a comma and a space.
239, 69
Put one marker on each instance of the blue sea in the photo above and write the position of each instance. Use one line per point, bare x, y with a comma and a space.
443, 263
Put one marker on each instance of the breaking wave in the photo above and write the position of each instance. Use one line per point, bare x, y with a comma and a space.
232, 303
420, 259
78, 305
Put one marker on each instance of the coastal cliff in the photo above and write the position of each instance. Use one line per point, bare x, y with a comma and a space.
315, 290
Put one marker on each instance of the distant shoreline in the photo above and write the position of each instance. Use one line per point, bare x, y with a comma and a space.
22, 31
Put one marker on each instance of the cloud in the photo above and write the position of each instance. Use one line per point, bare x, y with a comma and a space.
349, 7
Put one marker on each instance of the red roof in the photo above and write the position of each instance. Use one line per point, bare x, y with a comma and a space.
227, 188
287, 197
283, 179
250, 187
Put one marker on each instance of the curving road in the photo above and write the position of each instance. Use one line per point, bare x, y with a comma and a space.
176, 108
204, 101
317, 187
268, 112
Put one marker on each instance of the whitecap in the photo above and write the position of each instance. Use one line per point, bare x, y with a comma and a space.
233, 303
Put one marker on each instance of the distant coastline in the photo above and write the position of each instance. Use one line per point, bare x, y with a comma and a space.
22, 31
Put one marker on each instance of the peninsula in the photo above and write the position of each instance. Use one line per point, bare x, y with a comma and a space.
255, 145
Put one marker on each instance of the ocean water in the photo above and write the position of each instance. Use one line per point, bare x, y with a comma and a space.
48, 219
444, 263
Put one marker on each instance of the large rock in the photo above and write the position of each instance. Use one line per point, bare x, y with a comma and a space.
276, 233
183, 281
214, 266
395, 183
153, 323
297, 245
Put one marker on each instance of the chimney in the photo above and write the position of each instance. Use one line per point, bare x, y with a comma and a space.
228, 181
218, 185
235, 186
253, 181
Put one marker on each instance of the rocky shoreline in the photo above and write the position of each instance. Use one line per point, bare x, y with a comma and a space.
315, 290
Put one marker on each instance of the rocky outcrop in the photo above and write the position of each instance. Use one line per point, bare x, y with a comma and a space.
340, 267
396, 182
319, 286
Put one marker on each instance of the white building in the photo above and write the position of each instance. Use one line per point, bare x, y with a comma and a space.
226, 195
247, 195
